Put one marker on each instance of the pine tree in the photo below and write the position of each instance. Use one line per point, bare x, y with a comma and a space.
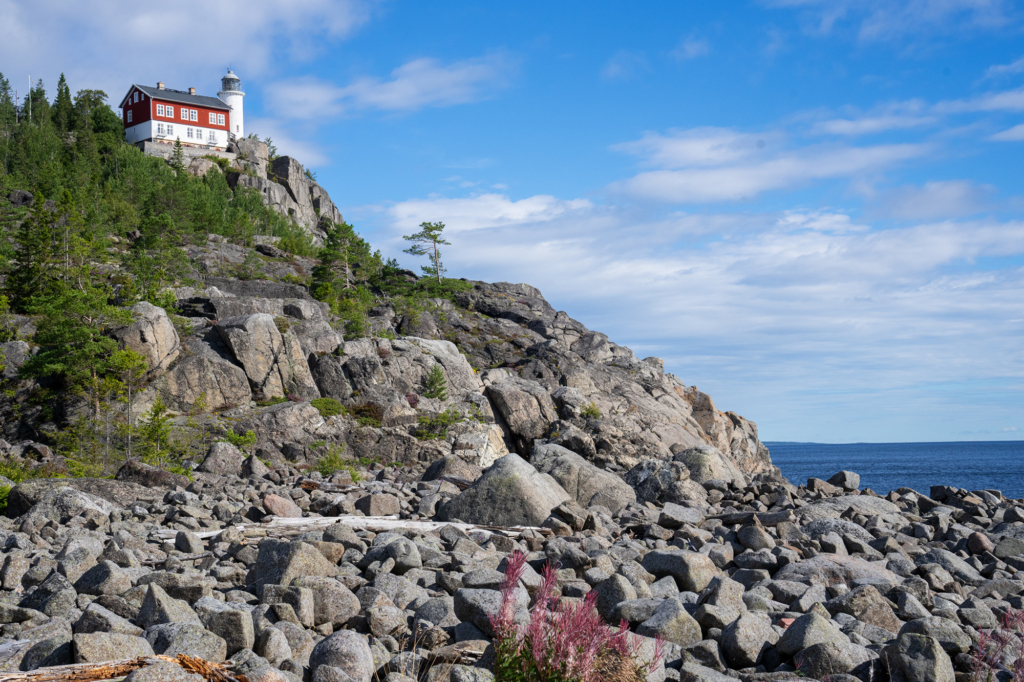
8, 112
62, 115
425, 243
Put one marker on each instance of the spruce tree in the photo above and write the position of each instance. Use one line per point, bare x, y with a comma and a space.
35, 256
36, 105
62, 114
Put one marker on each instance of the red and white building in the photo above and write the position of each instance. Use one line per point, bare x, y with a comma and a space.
159, 114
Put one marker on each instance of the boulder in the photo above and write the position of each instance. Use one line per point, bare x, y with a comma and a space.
152, 335
158, 608
747, 639
273, 362
917, 658
348, 653
525, 406
510, 493
64, 498
691, 570
135, 471
223, 459
706, 463
279, 562
586, 483
672, 623
222, 384
808, 630
97, 647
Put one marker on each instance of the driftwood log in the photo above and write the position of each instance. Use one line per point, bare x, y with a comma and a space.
108, 670
764, 518
285, 527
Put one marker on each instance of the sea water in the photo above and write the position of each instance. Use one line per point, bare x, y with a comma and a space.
978, 465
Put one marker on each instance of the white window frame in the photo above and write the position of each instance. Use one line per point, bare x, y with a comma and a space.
129, 115
170, 129
184, 114
212, 137
213, 118
220, 119
159, 109
169, 111
189, 134
159, 128
195, 115
136, 96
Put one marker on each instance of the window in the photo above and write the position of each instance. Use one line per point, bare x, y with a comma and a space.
136, 96
236, 129
213, 119
189, 133
184, 114
213, 136
220, 119
170, 129
159, 109
159, 128
129, 115
195, 115
169, 110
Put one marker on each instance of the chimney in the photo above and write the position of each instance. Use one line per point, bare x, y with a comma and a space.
191, 91
159, 85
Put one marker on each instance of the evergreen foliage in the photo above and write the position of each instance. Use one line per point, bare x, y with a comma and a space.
425, 243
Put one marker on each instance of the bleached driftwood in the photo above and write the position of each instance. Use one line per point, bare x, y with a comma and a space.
95, 672
283, 527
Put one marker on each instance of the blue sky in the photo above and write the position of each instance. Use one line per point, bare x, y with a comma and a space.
811, 210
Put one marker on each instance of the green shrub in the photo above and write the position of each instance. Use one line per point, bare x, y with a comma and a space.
241, 442
282, 324
368, 414
328, 407
436, 427
332, 461
5, 490
590, 411
436, 386
271, 401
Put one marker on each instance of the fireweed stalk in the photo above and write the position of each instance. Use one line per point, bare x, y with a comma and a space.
1001, 650
563, 641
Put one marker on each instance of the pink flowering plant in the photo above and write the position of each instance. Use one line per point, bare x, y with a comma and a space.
564, 640
1000, 651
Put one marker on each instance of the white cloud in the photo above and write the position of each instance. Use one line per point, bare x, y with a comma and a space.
624, 64
713, 164
691, 47
1007, 100
871, 124
483, 211
999, 70
416, 84
110, 44
697, 147
937, 200
1014, 134
891, 19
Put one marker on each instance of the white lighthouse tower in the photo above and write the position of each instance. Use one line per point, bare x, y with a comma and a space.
232, 95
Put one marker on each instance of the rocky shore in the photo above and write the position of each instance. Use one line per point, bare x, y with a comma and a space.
750, 581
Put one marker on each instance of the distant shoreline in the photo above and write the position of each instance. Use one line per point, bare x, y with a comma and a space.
899, 442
